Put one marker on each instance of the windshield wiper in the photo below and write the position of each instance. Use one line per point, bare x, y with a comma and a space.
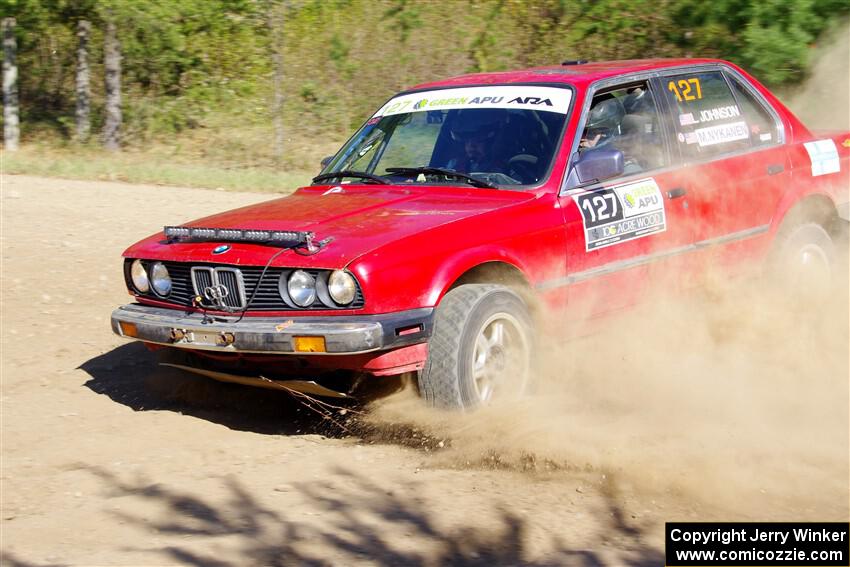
350, 173
442, 171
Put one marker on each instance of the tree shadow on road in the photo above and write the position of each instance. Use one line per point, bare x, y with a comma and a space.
356, 520
358, 523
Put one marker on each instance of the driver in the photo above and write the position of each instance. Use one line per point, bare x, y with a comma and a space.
603, 123
478, 130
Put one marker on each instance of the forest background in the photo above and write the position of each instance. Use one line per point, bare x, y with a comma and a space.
251, 94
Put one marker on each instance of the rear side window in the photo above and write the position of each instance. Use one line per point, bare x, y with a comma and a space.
706, 115
763, 128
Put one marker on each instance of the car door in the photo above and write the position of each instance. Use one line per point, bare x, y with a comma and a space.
619, 230
735, 164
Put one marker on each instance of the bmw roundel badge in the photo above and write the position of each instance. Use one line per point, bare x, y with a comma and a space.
221, 249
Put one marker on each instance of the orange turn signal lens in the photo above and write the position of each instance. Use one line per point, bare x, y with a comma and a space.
309, 344
129, 329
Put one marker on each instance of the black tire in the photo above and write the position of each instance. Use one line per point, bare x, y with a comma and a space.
804, 261
480, 349
841, 237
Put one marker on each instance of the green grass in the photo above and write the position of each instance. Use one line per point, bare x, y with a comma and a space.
142, 167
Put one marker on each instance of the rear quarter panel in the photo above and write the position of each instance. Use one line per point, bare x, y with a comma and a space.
808, 165
805, 182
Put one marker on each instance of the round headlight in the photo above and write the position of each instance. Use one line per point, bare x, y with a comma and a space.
341, 287
139, 277
160, 280
302, 288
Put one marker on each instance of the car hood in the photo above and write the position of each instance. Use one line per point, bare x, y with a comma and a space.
356, 218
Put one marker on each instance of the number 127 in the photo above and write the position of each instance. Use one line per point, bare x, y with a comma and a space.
685, 89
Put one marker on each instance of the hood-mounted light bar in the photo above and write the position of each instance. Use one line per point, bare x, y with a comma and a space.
279, 238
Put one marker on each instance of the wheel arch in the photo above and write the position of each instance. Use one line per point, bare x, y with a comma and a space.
814, 207
499, 272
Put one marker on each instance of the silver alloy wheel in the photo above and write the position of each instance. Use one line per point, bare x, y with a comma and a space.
810, 270
814, 262
500, 358
480, 349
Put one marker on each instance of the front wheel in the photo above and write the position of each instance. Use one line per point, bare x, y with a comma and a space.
480, 350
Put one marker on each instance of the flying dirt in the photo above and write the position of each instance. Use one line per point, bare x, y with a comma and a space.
723, 397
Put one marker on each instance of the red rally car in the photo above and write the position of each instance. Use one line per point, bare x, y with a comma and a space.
467, 212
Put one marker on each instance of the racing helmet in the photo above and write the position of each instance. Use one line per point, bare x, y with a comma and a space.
605, 117
639, 101
476, 124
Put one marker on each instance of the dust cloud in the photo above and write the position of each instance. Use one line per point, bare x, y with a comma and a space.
730, 396
822, 102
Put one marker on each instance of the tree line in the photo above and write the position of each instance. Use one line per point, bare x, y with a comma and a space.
268, 80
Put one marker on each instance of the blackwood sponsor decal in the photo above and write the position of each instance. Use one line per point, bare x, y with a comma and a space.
722, 133
620, 213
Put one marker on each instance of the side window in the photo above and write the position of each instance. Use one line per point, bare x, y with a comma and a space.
706, 116
762, 125
626, 119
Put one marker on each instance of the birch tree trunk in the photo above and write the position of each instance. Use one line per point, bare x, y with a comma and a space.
112, 67
11, 129
82, 82
276, 22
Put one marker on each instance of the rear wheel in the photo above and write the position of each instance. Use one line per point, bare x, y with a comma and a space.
804, 261
480, 350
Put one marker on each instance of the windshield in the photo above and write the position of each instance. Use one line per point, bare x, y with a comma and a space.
496, 135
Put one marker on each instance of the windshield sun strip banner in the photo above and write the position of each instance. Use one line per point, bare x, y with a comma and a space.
548, 99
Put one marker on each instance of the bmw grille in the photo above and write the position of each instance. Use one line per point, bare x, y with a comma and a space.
191, 280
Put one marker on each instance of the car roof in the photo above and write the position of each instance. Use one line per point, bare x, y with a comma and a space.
580, 74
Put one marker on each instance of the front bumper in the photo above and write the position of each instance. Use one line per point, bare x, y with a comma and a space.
272, 335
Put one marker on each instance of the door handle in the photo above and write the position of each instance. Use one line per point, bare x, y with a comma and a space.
676, 193
775, 169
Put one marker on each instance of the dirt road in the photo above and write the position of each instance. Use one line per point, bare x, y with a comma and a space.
98, 469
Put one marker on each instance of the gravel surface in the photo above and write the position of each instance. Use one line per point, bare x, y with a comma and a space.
101, 466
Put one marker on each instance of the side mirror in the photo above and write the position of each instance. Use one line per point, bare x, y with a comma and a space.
325, 161
597, 165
